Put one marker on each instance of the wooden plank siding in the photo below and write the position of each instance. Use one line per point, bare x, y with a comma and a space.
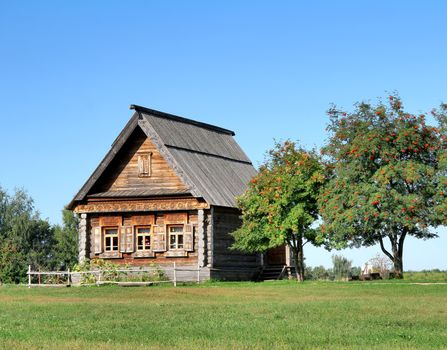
122, 174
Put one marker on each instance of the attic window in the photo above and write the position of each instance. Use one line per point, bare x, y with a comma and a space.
144, 164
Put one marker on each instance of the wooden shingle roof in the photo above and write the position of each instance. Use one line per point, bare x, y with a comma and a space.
205, 157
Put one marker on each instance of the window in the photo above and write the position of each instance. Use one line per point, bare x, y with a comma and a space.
144, 164
111, 239
176, 237
143, 238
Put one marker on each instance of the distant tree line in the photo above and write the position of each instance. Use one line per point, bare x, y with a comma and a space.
27, 239
341, 269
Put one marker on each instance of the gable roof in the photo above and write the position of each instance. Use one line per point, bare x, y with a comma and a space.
205, 157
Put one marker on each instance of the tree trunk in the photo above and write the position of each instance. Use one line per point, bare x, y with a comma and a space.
398, 267
397, 259
299, 258
397, 248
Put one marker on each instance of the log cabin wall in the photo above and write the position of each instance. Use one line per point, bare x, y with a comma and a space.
228, 264
183, 250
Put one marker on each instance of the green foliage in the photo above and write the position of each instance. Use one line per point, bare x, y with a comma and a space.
110, 272
355, 271
280, 200
65, 249
440, 198
25, 239
318, 273
41, 242
384, 168
280, 204
12, 263
341, 266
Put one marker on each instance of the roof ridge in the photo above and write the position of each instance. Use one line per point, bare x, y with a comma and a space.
181, 119
207, 153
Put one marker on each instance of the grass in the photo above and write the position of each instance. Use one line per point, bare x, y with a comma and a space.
429, 275
279, 315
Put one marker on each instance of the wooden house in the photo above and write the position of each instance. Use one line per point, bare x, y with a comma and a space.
166, 192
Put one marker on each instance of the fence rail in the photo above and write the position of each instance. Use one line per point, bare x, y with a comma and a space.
154, 275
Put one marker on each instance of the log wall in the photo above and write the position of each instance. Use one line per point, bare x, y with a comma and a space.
211, 242
228, 264
161, 219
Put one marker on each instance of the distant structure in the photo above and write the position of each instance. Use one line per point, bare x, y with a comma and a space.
367, 269
166, 192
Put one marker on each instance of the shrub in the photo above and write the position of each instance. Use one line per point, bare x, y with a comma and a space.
105, 271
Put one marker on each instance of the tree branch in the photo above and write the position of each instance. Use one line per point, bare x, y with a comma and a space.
386, 252
291, 243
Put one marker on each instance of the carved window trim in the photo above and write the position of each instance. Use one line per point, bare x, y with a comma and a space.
176, 239
144, 236
144, 164
109, 239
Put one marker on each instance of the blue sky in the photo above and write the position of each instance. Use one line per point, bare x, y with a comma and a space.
265, 69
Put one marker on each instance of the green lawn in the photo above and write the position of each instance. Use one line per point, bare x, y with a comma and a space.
432, 276
282, 315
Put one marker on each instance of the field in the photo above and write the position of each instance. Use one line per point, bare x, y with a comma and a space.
280, 315
432, 276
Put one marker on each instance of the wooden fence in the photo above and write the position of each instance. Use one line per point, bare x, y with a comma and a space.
125, 276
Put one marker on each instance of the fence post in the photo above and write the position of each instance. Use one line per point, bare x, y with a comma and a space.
175, 276
68, 277
29, 276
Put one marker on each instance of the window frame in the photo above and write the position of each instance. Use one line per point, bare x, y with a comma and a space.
137, 234
111, 237
176, 234
144, 164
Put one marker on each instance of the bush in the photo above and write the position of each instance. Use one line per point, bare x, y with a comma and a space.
105, 271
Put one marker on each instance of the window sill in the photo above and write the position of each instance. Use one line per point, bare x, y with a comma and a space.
111, 255
143, 254
176, 254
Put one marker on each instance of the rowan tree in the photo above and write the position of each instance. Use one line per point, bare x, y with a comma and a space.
280, 204
385, 178
440, 200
